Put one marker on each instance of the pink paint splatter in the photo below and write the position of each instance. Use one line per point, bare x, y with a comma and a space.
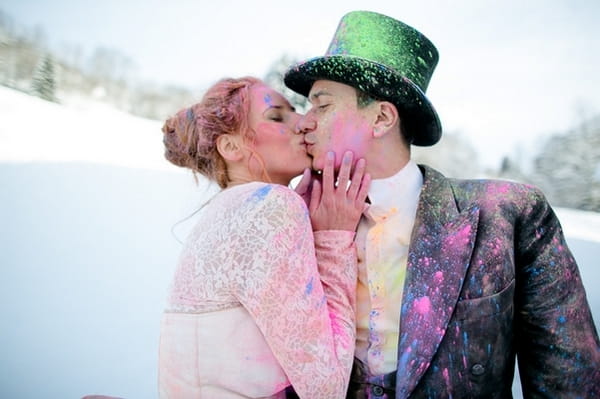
422, 305
338, 330
446, 376
460, 238
463, 235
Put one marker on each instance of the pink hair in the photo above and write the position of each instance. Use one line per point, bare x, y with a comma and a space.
190, 136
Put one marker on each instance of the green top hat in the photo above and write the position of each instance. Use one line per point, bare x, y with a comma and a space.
386, 59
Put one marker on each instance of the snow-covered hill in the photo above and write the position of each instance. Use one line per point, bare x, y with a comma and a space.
89, 239
81, 130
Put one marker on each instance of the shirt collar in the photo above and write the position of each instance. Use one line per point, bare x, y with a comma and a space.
396, 194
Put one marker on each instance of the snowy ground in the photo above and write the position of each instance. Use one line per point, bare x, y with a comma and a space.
88, 206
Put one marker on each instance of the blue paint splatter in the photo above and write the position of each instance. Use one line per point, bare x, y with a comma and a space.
261, 193
323, 301
309, 287
403, 361
268, 100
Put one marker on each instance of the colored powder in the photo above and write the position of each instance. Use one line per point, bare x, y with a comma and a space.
422, 305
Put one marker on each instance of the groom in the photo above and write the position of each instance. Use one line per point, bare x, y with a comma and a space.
457, 278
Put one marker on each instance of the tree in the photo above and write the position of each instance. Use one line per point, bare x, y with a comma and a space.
44, 80
568, 167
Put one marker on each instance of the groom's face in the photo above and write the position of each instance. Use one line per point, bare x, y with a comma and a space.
335, 123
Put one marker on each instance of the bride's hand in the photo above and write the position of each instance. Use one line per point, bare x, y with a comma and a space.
339, 207
304, 187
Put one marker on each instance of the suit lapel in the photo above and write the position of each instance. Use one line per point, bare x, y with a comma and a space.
440, 251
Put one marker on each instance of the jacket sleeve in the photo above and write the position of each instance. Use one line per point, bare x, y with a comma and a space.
302, 299
557, 344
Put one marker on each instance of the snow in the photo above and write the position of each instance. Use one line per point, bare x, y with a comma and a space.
580, 224
92, 216
81, 130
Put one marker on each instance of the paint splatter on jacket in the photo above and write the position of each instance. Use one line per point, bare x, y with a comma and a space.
489, 277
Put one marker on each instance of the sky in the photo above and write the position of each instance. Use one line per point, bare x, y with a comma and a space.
510, 72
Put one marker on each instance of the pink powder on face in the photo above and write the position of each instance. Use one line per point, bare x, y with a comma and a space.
348, 132
266, 131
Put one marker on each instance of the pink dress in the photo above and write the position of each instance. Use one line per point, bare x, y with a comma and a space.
258, 302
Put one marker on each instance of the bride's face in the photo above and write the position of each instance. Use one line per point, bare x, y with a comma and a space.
276, 142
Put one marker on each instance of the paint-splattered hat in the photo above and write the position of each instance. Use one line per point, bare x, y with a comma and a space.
386, 59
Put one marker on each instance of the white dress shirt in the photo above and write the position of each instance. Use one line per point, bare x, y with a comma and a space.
382, 242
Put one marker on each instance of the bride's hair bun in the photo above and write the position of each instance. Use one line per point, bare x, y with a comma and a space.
190, 137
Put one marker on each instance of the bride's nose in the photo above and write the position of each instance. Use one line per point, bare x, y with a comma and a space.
305, 125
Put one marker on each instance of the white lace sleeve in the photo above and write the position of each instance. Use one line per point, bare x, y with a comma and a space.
305, 312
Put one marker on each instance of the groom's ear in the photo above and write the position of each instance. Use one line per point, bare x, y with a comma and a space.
386, 118
230, 147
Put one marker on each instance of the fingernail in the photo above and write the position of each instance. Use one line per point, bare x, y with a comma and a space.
330, 155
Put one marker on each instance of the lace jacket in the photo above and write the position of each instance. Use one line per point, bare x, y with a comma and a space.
258, 302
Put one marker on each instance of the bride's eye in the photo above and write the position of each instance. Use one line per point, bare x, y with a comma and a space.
275, 116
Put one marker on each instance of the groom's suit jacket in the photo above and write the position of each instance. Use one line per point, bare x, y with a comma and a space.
489, 276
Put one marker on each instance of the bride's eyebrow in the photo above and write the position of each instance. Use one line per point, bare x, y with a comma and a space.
285, 106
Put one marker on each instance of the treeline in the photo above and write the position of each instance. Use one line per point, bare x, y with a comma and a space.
566, 168
29, 65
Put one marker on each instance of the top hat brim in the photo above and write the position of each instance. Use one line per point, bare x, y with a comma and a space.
419, 119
